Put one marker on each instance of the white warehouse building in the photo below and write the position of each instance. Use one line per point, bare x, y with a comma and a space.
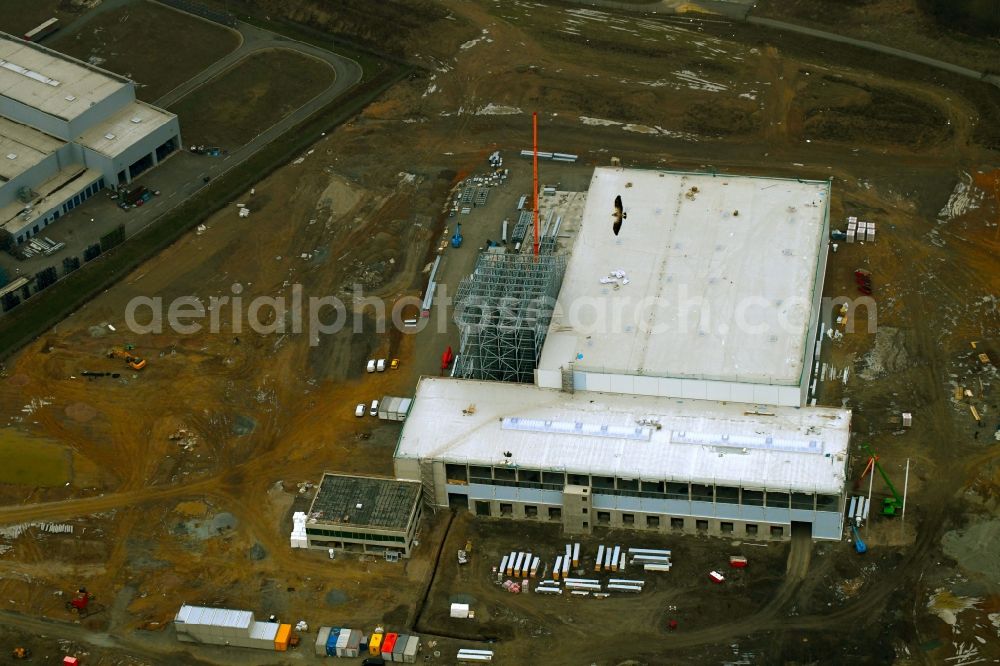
722, 301
67, 130
589, 460
670, 392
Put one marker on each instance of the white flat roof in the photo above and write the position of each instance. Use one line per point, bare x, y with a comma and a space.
777, 448
123, 129
699, 262
22, 147
51, 82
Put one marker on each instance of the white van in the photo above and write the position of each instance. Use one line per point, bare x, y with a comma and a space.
373, 410
360, 409
380, 366
371, 365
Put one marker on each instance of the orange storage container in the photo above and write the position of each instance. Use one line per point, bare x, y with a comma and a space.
375, 645
282, 637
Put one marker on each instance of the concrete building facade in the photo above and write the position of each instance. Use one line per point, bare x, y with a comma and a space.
364, 514
67, 130
589, 460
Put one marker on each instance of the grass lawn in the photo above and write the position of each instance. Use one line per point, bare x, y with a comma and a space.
32, 462
19, 16
157, 47
246, 99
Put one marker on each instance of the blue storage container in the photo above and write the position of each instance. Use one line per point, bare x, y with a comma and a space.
331, 642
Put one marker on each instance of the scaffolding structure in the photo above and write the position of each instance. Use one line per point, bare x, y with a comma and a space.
503, 311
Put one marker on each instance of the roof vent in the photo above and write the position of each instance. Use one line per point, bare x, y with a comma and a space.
109, 136
136, 119
70, 98
12, 156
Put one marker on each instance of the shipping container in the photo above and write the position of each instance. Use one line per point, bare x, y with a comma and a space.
518, 563
345, 635
282, 638
388, 643
557, 569
375, 645
400, 647
576, 554
737, 561
716, 577
410, 652
626, 581
510, 562
332, 639
460, 611
615, 558
321, 638
534, 566
354, 641
503, 567
600, 558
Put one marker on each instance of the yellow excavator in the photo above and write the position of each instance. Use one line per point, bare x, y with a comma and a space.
133, 361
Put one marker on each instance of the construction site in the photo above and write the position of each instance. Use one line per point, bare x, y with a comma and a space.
656, 336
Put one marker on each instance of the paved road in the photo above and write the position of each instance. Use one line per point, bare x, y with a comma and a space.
741, 10
880, 48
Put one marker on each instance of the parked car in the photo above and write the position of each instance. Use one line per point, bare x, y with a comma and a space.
360, 409
380, 365
395, 364
371, 365
373, 410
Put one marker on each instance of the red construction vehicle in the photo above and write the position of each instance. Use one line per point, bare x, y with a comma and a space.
863, 279
446, 358
80, 604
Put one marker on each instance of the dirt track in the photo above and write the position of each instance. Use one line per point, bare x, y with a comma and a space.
271, 411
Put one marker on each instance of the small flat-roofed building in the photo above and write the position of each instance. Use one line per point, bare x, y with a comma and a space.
720, 297
590, 459
67, 130
364, 514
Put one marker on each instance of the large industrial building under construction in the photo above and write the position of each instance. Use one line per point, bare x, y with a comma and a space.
67, 130
671, 378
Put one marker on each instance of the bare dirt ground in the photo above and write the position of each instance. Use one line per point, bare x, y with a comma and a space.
156, 523
156, 46
246, 99
900, 23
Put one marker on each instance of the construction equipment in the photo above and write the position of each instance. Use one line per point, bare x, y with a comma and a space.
859, 545
870, 467
80, 604
890, 505
134, 362
21, 653
863, 279
456, 240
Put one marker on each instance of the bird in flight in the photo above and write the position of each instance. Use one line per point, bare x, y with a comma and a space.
618, 215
